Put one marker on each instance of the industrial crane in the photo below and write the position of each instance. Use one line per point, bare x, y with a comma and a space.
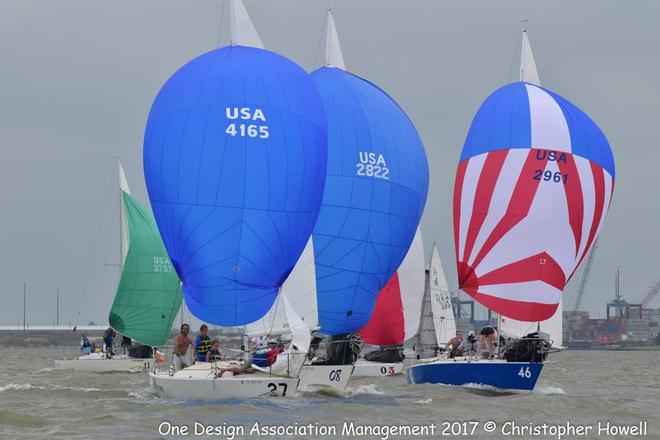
651, 295
581, 287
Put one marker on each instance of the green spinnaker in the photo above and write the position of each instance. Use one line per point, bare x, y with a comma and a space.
149, 293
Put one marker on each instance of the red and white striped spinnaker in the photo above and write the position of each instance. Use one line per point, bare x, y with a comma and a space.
532, 190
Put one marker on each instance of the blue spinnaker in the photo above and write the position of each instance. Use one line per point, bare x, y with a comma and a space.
234, 158
375, 192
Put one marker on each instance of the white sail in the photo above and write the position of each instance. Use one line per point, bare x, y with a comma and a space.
243, 32
411, 284
123, 227
528, 72
300, 288
333, 53
443, 312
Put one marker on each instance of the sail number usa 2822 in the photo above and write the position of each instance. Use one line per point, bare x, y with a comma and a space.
372, 165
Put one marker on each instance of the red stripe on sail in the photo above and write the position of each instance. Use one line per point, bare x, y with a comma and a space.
599, 204
540, 267
386, 326
458, 190
574, 197
520, 310
518, 208
490, 172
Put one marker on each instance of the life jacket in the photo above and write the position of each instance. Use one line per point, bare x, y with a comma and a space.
202, 345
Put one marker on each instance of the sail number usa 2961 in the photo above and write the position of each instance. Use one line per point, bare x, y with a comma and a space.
250, 122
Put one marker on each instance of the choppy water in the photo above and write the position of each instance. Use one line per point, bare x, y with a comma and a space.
37, 401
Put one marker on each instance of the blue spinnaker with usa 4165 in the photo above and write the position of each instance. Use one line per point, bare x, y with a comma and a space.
375, 192
234, 158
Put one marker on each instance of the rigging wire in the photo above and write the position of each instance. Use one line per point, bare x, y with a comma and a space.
94, 251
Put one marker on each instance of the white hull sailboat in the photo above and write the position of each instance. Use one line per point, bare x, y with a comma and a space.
147, 278
203, 381
98, 363
503, 260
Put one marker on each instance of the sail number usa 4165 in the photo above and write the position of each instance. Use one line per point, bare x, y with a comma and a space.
246, 121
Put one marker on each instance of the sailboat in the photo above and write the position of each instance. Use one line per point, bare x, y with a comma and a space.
437, 318
148, 295
532, 190
235, 156
396, 316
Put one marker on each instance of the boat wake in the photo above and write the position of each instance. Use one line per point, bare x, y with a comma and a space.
361, 390
549, 391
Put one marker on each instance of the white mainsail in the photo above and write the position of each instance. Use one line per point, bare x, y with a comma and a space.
123, 227
243, 32
333, 53
551, 328
528, 71
443, 312
411, 286
300, 288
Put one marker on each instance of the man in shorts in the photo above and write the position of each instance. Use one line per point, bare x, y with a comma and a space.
181, 344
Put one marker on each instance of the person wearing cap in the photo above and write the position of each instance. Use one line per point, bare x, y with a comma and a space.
469, 346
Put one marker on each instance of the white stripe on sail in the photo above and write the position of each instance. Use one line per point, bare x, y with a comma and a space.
528, 291
549, 127
471, 178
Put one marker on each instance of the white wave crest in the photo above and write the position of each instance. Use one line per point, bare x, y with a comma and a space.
364, 389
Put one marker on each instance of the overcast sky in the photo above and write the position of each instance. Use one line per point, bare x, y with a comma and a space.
77, 79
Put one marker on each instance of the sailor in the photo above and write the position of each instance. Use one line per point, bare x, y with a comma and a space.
181, 344
468, 346
108, 336
202, 343
213, 355
125, 344
454, 343
85, 346
487, 341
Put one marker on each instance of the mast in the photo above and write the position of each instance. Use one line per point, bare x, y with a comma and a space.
243, 32
333, 53
528, 71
